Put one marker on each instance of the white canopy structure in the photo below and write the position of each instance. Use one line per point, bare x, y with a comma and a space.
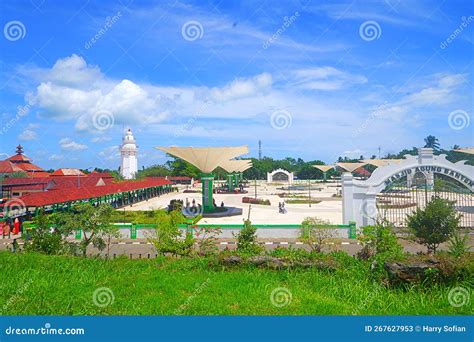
350, 167
324, 168
236, 165
468, 150
206, 159
381, 162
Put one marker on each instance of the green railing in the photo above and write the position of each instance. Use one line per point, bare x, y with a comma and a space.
134, 227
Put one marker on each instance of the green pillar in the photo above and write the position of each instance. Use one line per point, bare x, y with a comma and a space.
207, 203
324, 176
230, 183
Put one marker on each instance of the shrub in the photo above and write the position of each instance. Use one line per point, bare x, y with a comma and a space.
458, 244
434, 224
206, 240
379, 240
169, 239
43, 238
247, 239
315, 234
252, 200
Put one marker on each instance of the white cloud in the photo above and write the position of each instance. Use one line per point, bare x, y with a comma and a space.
101, 139
28, 134
241, 88
324, 78
67, 144
56, 157
74, 90
110, 153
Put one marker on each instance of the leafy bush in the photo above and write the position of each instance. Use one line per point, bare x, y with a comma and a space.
458, 244
206, 240
168, 238
315, 234
379, 240
43, 238
434, 224
247, 239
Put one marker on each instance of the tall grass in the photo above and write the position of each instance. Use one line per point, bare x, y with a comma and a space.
33, 284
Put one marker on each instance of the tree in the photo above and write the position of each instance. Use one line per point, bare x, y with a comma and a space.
314, 233
95, 223
434, 224
432, 142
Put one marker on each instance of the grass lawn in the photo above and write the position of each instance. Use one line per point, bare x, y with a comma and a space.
34, 284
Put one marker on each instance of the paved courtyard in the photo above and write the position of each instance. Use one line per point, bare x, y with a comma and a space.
330, 207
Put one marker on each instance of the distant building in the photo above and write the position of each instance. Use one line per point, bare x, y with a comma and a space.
128, 152
21, 163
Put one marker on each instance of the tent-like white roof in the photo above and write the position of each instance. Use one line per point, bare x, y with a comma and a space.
350, 166
206, 159
468, 150
380, 162
236, 165
324, 168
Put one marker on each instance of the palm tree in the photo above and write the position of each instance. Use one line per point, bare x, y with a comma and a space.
432, 142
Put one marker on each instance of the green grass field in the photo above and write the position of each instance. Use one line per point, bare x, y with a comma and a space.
33, 284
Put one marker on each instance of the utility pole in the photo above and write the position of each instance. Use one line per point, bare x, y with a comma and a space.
309, 192
255, 188
379, 152
259, 149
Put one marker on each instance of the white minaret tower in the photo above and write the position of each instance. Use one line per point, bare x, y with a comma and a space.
128, 151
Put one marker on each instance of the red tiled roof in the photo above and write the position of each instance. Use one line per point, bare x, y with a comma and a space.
7, 166
178, 178
38, 174
38, 199
100, 174
68, 172
29, 167
19, 158
25, 180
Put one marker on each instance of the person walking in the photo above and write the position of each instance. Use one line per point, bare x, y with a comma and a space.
16, 226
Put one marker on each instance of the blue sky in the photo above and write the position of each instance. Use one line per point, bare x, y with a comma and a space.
311, 79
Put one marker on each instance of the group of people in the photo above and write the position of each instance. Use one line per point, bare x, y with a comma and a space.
9, 227
281, 208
